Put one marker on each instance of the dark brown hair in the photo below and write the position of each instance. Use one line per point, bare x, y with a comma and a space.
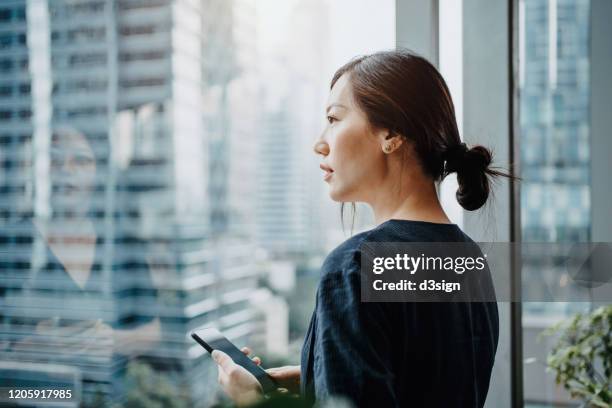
404, 93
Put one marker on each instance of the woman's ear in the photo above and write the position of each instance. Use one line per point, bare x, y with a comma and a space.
391, 142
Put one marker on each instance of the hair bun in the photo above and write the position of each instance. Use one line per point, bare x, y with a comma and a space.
472, 168
477, 158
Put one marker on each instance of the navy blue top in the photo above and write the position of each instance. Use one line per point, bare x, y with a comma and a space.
396, 354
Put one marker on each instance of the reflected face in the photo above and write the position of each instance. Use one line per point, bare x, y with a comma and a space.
352, 159
73, 170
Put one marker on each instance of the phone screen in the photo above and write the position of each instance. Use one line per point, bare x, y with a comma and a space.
211, 339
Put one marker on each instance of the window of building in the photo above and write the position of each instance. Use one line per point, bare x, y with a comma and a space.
6, 90
5, 14
24, 89
146, 29
86, 34
6, 65
87, 60
6, 40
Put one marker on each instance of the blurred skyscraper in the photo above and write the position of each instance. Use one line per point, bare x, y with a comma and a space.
290, 195
134, 78
232, 113
554, 85
555, 145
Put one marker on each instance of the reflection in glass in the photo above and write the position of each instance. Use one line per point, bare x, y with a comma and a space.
157, 176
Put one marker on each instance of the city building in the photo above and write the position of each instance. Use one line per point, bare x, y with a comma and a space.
555, 163
127, 82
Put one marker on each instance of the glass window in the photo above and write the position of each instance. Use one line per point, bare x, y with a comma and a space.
5, 14
6, 65
161, 182
6, 90
6, 40
555, 145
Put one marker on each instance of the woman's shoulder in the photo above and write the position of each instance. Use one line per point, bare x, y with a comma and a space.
346, 257
396, 230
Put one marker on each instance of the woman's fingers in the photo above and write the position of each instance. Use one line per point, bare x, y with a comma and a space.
285, 372
225, 366
222, 377
239, 384
286, 377
247, 351
223, 360
277, 374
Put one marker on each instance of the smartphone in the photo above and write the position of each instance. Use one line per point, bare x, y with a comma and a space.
211, 339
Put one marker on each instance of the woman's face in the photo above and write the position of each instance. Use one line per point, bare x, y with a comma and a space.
352, 156
73, 170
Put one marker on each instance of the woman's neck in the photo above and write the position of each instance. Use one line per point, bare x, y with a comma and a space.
72, 241
420, 203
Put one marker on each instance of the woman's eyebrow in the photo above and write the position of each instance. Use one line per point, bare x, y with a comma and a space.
339, 105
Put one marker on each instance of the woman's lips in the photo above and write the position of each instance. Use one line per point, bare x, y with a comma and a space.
328, 171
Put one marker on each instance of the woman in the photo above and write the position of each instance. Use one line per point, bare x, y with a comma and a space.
65, 308
391, 136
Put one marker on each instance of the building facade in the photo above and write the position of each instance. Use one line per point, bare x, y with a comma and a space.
103, 128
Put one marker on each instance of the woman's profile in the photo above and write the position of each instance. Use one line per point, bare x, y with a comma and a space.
391, 137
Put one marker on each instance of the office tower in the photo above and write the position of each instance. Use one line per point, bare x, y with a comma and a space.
555, 146
232, 113
282, 201
290, 194
125, 81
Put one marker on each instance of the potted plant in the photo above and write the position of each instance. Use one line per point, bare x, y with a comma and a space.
581, 357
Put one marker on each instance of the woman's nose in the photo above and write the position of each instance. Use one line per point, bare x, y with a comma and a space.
321, 147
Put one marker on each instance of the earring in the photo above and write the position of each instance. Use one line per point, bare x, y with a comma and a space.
387, 147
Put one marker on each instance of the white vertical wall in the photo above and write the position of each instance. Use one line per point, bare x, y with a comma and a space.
416, 27
450, 47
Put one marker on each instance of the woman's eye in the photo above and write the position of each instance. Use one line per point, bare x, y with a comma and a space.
331, 119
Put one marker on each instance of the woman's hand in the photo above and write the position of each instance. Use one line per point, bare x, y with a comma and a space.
287, 377
240, 385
